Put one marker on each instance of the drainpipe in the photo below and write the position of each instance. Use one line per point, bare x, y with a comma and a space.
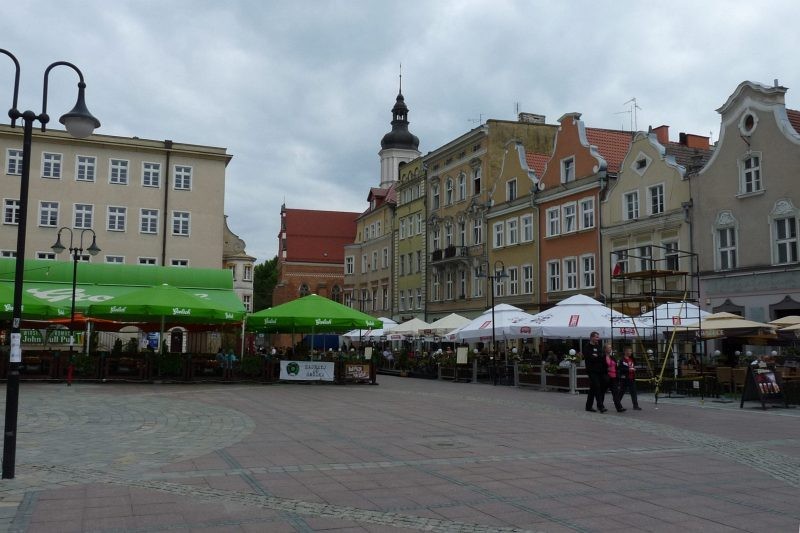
168, 150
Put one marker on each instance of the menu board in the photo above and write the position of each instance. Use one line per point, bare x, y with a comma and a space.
761, 384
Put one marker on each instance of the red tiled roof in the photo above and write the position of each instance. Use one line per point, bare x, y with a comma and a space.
318, 236
537, 162
612, 145
794, 119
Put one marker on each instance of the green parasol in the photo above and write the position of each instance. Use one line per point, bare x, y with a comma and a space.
32, 308
311, 313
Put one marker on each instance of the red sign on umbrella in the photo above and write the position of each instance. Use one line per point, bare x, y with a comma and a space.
573, 320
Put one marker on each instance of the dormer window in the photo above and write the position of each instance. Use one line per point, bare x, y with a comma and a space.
641, 163
750, 173
568, 169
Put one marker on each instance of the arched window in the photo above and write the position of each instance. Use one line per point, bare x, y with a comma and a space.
336, 294
304, 290
462, 187
448, 191
434, 196
725, 241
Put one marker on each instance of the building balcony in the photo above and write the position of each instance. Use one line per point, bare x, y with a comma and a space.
449, 254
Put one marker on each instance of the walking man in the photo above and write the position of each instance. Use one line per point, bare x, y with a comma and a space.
597, 370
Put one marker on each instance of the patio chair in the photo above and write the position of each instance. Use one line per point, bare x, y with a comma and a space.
739, 375
724, 379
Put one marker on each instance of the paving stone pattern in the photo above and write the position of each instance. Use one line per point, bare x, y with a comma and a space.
408, 455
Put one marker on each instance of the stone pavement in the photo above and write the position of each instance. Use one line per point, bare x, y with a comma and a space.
406, 455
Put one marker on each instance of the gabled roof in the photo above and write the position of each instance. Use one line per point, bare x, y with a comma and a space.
537, 162
612, 145
687, 156
317, 236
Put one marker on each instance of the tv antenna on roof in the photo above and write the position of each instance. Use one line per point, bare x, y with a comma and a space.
632, 113
478, 120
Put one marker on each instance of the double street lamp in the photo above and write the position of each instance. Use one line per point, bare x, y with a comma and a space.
499, 273
80, 123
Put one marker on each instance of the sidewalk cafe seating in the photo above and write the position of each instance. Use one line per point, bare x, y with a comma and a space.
724, 379
739, 375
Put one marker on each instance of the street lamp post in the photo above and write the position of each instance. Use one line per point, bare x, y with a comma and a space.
79, 123
499, 273
76, 249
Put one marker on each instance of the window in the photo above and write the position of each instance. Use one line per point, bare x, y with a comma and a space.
570, 273
511, 190
587, 272
183, 178
513, 281
232, 268
476, 181
436, 238
587, 213
448, 191
378, 229
48, 214
436, 285
402, 265
448, 235
785, 240
51, 165
477, 231
115, 259
181, 223
727, 248
10, 211
569, 212
527, 228
151, 174
462, 284
462, 233
553, 221
402, 301
385, 259
656, 193
304, 290
385, 297
248, 273
462, 186
499, 234
411, 263
512, 231
49, 256
13, 161
435, 196
148, 261
527, 279
499, 286
568, 169
118, 172
148, 221
83, 216
553, 276
645, 257
247, 301
671, 255
116, 218
364, 263
8, 253
336, 294
419, 223
349, 265
374, 260
449, 285
179, 262
85, 168
630, 205
619, 260
750, 169
419, 298
402, 228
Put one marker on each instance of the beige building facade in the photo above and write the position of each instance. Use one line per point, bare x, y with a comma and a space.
409, 244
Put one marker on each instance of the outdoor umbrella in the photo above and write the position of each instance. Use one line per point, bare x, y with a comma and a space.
576, 318
414, 327
311, 313
371, 334
32, 307
785, 321
669, 315
448, 323
480, 329
726, 324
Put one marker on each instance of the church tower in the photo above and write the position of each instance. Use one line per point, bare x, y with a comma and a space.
399, 145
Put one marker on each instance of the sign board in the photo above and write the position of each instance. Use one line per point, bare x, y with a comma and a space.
356, 372
761, 384
461, 355
306, 371
52, 336
368, 352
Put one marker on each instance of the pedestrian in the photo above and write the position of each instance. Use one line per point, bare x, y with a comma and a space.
597, 372
611, 382
626, 371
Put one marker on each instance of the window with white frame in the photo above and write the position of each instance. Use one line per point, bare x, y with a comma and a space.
553, 276
477, 231
385, 258
364, 263
725, 239
630, 205
656, 193
513, 281
83, 216
48, 256
448, 191
434, 196
118, 172
402, 300
437, 236
527, 228
553, 221
8, 253
247, 300
402, 265
570, 217
527, 279
349, 265
619, 262
13, 161
570, 273
183, 178
587, 271
511, 190
462, 186
151, 174
448, 285
181, 223
462, 283
247, 273
419, 298
184, 263
419, 224
10, 211
402, 228
115, 218
51, 165
750, 173
48, 214
148, 261
568, 169
671, 258
448, 235
587, 213
410, 263
85, 166
499, 286
410, 297
476, 181
374, 260
115, 259
512, 231
645, 257
477, 283
785, 240
148, 221
378, 229
436, 285
462, 233
499, 234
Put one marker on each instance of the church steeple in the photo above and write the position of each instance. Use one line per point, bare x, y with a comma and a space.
400, 137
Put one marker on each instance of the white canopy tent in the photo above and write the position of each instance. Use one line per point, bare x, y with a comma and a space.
506, 317
575, 318
670, 315
448, 323
414, 327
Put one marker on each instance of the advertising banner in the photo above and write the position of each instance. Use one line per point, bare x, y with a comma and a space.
306, 371
356, 371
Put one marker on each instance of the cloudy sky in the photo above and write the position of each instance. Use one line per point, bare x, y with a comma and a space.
300, 92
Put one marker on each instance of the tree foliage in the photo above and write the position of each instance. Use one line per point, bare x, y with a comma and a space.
265, 277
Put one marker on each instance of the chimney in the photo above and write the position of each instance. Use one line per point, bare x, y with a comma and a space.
694, 141
531, 118
662, 134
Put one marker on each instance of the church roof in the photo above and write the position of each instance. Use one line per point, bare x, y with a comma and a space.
400, 137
